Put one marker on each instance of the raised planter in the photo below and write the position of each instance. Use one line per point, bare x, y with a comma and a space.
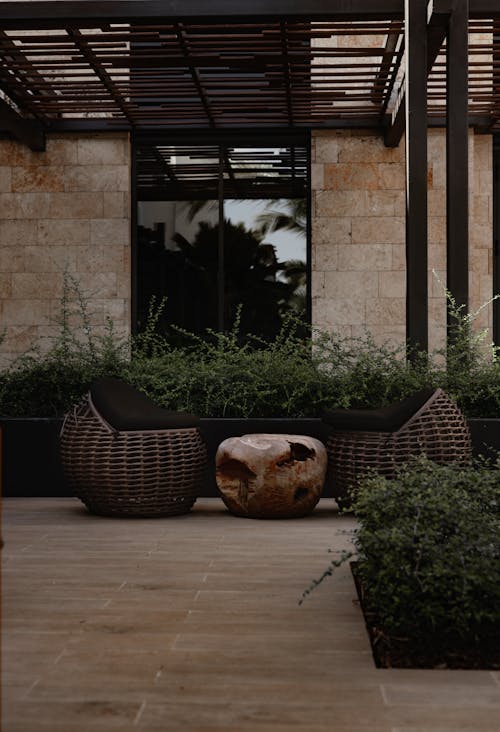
30, 448
485, 435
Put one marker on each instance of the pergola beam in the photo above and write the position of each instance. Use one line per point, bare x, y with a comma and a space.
42, 13
28, 131
436, 33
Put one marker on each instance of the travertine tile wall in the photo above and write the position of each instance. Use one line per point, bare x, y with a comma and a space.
64, 209
358, 234
480, 233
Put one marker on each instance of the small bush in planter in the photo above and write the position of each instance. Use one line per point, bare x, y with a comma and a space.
429, 563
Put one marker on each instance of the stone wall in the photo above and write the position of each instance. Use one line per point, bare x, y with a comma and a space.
358, 234
66, 209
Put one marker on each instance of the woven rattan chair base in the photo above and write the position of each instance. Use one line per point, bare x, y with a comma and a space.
143, 473
438, 430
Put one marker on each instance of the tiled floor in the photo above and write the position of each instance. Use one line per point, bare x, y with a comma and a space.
192, 624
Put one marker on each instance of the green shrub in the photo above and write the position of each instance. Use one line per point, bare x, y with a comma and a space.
233, 375
429, 550
47, 384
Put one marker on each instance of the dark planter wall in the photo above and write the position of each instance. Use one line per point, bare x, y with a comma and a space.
31, 464
30, 458
485, 435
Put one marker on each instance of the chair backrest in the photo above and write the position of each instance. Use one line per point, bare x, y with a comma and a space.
126, 408
385, 419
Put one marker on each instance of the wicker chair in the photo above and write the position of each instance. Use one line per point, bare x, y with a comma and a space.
124, 456
381, 440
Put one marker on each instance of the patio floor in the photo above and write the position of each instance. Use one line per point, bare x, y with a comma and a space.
192, 623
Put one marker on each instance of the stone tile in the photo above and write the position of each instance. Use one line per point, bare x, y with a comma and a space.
101, 177
364, 176
238, 654
385, 203
483, 152
11, 259
331, 231
43, 205
393, 336
317, 284
38, 178
76, 716
59, 151
327, 149
339, 312
116, 205
378, 230
326, 257
398, 261
100, 258
102, 151
5, 178
5, 285
481, 209
24, 312
454, 728
385, 311
317, 176
8, 205
339, 203
481, 235
36, 285
63, 231
436, 203
436, 717
110, 231
392, 284
365, 257
14, 232
41, 258
233, 713
442, 694
368, 149
437, 256
20, 338
342, 285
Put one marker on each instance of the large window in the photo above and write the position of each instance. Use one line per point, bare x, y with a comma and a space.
222, 231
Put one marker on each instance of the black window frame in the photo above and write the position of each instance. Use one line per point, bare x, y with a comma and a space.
261, 138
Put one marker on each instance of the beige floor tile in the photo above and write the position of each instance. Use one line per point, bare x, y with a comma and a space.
192, 624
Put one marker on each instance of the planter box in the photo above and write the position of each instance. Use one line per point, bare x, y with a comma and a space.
485, 435
30, 457
31, 464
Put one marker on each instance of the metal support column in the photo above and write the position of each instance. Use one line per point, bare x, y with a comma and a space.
221, 325
416, 174
457, 158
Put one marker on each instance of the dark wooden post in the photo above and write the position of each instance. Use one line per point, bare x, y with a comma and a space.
416, 174
457, 158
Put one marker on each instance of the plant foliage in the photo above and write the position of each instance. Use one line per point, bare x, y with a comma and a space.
297, 374
429, 550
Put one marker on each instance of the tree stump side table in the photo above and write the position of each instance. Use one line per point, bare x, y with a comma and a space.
271, 475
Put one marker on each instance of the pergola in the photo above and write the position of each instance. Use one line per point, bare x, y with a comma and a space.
167, 66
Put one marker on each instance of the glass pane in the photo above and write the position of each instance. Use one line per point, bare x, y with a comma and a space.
177, 258
265, 262
264, 237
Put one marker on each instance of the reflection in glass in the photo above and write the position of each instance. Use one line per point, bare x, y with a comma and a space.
263, 240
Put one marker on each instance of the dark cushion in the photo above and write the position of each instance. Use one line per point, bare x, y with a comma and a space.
385, 419
126, 408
